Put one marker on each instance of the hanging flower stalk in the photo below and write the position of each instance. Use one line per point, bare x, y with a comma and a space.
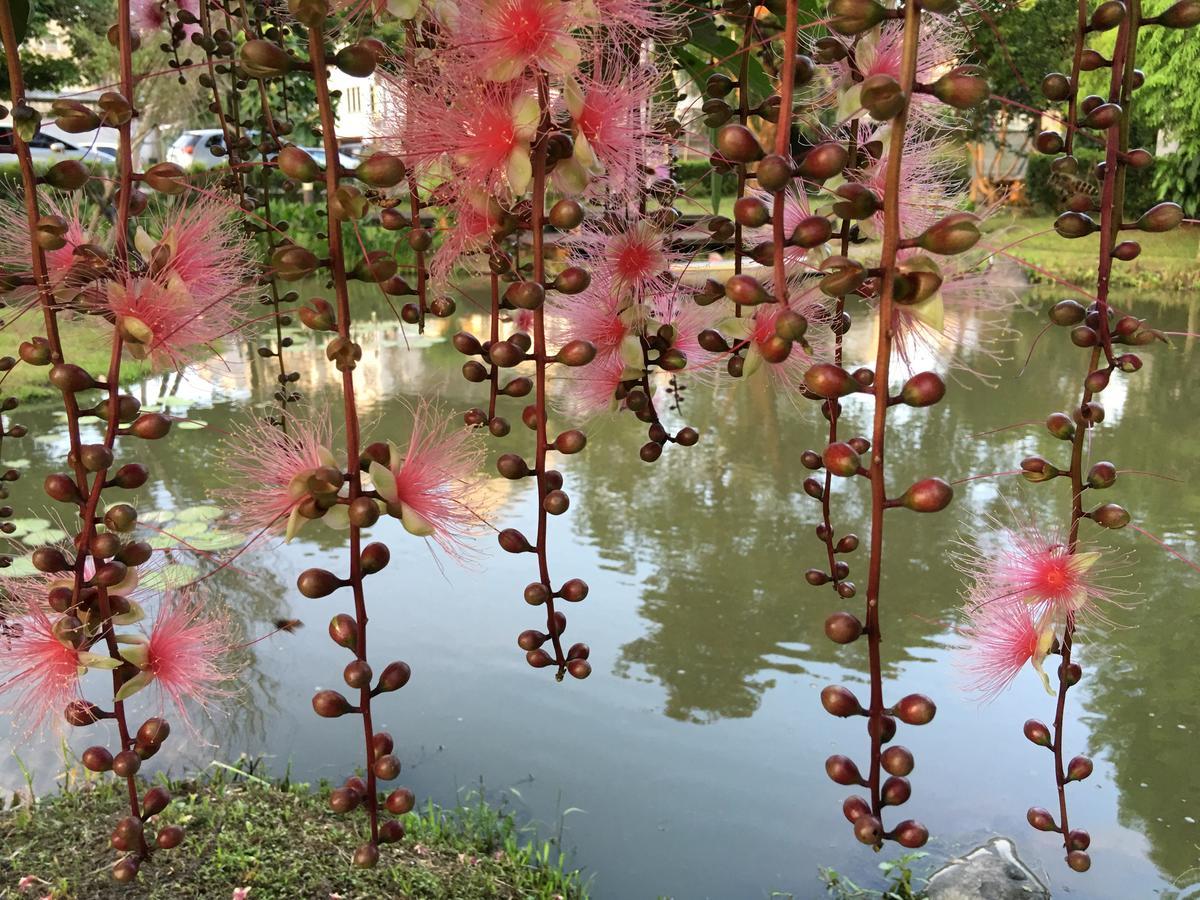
906, 277
551, 498
424, 486
68, 617
1026, 604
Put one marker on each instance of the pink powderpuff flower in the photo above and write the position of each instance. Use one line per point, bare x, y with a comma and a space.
63, 268
969, 312
759, 330
880, 53
273, 471
628, 22
1037, 568
201, 248
468, 230
40, 673
149, 16
632, 256
927, 183
428, 484
590, 390
596, 314
612, 121
162, 324
185, 655
1003, 638
472, 134
510, 36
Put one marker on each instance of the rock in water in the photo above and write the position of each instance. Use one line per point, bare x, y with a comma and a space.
990, 872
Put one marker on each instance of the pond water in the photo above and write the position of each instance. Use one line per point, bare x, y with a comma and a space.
690, 764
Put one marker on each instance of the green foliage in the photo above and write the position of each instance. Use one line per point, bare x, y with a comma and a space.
694, 175
1170, 57
1017, 46
898, 874
1177, 177
81, 18
279, 839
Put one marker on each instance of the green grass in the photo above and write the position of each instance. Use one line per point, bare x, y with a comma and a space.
84, 344
1168, 260
281, 840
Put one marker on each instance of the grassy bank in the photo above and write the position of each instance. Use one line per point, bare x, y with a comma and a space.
84, 344
1168, 261
279, 840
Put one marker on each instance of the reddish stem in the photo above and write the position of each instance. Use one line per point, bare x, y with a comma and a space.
337, 266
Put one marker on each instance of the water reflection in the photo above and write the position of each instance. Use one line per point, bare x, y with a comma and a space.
707, 643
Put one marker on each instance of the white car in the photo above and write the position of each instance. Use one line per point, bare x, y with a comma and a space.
194, 150
48, 149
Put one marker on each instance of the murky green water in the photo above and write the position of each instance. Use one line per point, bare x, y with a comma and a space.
694, 754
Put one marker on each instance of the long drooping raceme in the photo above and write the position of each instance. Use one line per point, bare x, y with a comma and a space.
533, 143
165, 279
1028, 598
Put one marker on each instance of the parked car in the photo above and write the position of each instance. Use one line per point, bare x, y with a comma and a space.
194, 150
48, 149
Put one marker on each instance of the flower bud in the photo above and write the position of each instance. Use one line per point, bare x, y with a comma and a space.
842, 770
566, 214
956, 233
1110, 515
572, 280
829, 381
576, 353
911, 833
330, 704
292, 262
1075, 225
1160, 217
400, 801
840, 701
841, 276
897, 761
923, 389
746, 290
1060, 426
74, 117
297, 164
738, 144
916, 709
773, 173
263, 59
881, 96
358, 61
97, 759
317, 583
1079, 768
851, 17
155, 801
840, 459
868, 829
1056, 87
394, 676
1184, 14
927, 495
1079, 861
963, 87
68, 175
824, 161
1040, 819
381, 170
